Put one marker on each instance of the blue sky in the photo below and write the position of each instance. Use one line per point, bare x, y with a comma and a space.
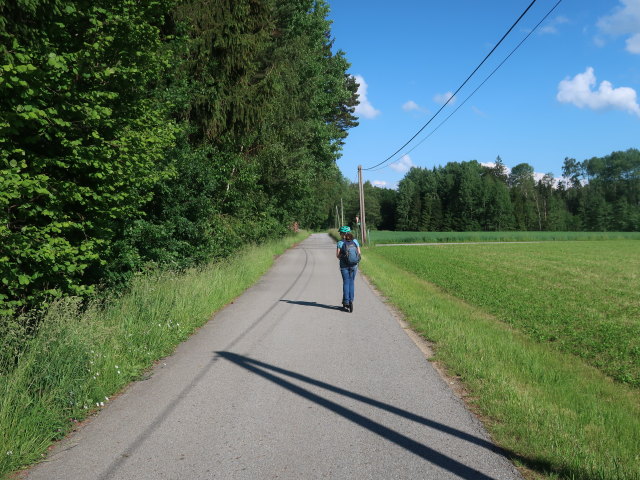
571, 90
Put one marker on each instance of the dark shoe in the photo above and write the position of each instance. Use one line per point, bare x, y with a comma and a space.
351, 307
345, 306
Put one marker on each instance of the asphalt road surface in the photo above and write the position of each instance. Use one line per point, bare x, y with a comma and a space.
284, 384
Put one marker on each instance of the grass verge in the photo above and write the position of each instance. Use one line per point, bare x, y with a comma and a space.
79, 358
556, 416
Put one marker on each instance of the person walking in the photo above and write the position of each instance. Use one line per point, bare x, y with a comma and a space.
348, 252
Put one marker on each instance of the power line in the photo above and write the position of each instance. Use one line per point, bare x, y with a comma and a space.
459, 88
479, 86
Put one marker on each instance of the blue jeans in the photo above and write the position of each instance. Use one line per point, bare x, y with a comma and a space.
348, 277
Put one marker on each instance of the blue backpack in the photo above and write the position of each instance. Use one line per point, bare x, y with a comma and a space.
349, 252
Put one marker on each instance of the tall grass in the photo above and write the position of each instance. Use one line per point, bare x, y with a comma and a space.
555, 416
80, 357
383, 237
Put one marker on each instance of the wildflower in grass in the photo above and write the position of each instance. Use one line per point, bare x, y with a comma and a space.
10, 452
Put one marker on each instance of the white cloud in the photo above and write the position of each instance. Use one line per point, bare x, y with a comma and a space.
552, 26
599, 41
633, 43
379, 183
477, 111
413, 106
410, 105
537, 176
442, 98
555, 183
364, 108
625, 20
403, 165
490, 164
578, 91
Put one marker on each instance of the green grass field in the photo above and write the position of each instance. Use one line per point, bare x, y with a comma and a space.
536, 333
580, 297
380, 237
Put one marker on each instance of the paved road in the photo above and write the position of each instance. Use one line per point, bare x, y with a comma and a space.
283, 384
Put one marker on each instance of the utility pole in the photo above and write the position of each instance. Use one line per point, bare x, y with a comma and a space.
342, 211
363, 225
337, 217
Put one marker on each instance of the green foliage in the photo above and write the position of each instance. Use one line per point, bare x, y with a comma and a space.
459, 197
264, 105
81, 139
605, 192
600, 194
142, 134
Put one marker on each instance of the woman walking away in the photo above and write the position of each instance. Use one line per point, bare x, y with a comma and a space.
348, 252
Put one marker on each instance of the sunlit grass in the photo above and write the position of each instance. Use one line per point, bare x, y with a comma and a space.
580, 297
79, 358
556, 416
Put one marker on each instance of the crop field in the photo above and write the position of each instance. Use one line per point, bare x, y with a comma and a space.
581, 297
543, 337
381, 237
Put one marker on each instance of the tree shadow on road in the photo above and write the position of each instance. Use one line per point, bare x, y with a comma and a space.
456, 467
265, 371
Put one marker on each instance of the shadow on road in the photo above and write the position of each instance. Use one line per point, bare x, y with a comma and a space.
143, 436
463, 471
312, 304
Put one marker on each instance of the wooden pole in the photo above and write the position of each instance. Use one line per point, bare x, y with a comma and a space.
363, 226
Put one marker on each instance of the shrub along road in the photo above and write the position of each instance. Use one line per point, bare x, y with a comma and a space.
284, 384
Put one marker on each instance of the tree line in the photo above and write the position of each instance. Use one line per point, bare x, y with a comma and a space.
163, 133
597, 194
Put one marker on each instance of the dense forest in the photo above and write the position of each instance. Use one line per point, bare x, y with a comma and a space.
137, 136
597, 194
164, 133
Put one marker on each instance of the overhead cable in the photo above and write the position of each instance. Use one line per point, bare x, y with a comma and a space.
479, 86
459, 88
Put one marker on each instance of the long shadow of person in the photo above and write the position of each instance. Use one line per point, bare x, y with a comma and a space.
312, 304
